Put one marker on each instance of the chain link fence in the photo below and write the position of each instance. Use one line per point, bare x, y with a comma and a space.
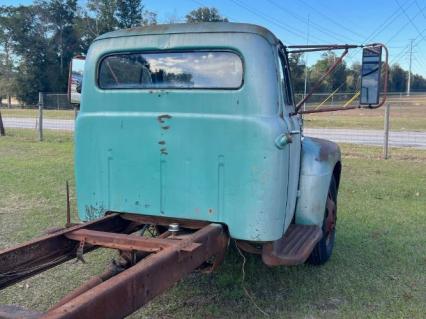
56, 101
407, 124
400, 123
53, 113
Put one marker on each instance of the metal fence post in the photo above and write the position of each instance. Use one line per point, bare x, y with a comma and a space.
386, 137
40, 116
2, 131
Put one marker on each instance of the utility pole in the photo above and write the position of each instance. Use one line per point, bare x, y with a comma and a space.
386, 137
409, 68
306, 65
40, 116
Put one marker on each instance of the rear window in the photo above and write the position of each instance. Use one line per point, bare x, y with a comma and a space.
174, 70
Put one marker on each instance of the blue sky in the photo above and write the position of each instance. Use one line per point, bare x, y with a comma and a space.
393, 22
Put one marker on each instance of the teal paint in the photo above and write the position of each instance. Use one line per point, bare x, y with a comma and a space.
194, 154
319, 159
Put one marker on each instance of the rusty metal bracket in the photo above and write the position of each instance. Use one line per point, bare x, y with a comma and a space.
321, 79
33, 257
345, 47
80, 251
140, 283
145, 268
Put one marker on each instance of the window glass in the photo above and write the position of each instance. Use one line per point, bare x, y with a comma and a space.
185, 70
285, 79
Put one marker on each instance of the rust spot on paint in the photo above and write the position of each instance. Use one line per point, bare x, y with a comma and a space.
210, 211
162, 142
165, 127
326, 148
163, 117
164, 151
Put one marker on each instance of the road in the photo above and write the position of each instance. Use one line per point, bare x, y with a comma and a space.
49, 124
370, 137
356, 136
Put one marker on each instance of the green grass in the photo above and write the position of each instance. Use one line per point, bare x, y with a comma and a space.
33, 113
406, 114
378, 269
375, 122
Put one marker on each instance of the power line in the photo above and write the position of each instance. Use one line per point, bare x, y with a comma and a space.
272, 20
396, 14
320, 28
332, 20
418, 6
401, 54
386, 23
409, 19
420, 60
404, 26
419, 63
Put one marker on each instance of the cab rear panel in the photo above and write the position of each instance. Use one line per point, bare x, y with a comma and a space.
202, 154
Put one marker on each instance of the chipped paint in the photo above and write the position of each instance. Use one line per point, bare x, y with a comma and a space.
162, 118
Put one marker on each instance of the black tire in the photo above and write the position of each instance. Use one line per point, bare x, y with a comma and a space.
324, 248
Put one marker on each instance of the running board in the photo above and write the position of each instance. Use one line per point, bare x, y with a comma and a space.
294, 247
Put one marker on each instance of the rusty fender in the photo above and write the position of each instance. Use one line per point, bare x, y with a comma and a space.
320, 159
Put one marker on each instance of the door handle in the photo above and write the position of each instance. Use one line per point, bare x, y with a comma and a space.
294, 132
282, 140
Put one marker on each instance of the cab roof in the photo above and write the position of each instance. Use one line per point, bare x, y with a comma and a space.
205, 27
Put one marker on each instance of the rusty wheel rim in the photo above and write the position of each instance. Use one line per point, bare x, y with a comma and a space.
330, 224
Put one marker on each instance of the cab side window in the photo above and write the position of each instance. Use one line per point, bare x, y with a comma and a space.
285, 81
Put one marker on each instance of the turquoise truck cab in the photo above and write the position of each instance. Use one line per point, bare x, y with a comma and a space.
197, 122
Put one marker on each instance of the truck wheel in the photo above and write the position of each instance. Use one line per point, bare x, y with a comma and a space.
324, 248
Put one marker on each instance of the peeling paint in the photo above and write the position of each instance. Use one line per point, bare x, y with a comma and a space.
163, 117
326, 148
93, 212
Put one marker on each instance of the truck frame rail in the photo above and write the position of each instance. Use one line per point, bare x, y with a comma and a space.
144, 268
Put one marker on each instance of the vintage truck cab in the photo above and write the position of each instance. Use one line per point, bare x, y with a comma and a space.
199, 122
189, 136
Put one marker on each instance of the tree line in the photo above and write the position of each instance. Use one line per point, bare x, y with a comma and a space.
38, 41
346, 78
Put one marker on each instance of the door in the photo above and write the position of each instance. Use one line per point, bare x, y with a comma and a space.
294, 124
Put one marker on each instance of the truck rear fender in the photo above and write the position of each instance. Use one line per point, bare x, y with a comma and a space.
321, 160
